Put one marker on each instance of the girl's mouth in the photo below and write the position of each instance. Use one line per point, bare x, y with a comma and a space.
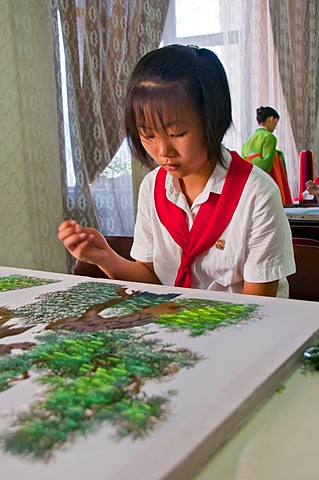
171, 167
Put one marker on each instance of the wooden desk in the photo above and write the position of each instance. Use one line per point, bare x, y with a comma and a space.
304, 221
235, 369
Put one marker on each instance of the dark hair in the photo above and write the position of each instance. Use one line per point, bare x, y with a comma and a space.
264, 112
178, 76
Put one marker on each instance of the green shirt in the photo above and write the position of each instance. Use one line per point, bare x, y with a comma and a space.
263, 142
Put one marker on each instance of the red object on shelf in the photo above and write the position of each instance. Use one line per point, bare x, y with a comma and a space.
306, 170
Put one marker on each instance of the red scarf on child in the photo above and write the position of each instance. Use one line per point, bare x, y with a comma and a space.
211, 220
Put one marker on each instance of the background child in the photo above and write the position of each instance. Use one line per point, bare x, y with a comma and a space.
260, 149
206, 218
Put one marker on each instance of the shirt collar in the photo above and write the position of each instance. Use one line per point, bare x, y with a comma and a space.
214, 184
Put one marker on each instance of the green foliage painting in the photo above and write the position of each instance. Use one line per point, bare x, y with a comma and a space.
201, 316
95, 358
15, 282
90, 378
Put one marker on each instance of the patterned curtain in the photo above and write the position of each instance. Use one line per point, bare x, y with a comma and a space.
30, 193
101, 40
296, 25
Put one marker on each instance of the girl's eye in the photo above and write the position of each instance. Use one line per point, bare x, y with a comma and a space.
146, 136
174, 135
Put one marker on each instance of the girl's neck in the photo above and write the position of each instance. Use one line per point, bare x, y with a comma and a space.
264, 125
194, 184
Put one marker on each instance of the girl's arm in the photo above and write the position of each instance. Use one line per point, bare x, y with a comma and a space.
89, 245
269, 250
268, 289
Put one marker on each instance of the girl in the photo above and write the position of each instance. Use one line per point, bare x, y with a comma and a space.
260, 149
206, 218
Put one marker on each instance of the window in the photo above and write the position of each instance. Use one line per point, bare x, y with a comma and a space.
112, 191
202, 23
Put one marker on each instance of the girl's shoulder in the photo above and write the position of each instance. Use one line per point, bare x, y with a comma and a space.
261, 182
262, 132
258, 137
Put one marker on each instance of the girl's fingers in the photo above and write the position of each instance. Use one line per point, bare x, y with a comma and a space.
68, 228
66, 224
71, 238
81, 243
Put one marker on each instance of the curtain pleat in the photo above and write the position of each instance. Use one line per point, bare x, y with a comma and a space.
295, 28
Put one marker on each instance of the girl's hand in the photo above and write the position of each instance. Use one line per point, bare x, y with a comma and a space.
89, 245
312, 187
85, 244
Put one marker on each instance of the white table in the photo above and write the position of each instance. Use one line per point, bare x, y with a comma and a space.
242, 368
280, 440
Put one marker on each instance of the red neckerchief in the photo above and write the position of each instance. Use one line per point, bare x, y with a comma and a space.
211, 220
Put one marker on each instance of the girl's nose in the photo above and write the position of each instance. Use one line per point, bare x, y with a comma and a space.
165, 148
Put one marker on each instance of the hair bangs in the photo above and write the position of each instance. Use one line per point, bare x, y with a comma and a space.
156, 106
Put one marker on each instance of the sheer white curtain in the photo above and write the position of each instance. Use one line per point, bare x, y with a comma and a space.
240, 33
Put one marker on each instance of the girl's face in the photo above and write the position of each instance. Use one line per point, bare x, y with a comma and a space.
177, 144
271, 123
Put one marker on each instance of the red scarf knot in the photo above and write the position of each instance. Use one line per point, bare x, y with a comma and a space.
187, 260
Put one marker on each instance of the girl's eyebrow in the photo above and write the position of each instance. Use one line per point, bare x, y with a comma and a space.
171, 123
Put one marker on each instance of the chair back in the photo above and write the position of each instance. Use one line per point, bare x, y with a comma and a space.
121, 245
312, 242
304, 284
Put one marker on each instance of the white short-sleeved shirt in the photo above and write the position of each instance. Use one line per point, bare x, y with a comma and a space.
257, 242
